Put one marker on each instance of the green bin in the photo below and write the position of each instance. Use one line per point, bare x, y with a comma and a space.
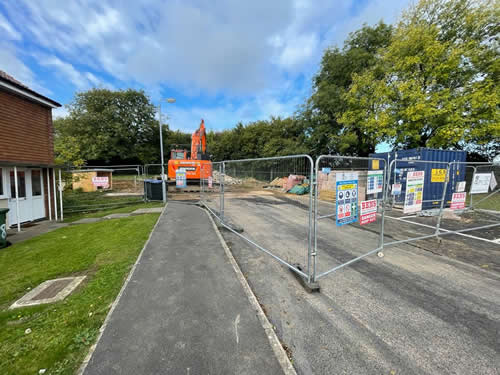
3, 227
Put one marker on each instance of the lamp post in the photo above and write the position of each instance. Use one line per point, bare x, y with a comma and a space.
163, 182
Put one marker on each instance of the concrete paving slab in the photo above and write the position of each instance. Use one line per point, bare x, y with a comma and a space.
13, 236
87, 220
150, 210
117, 216
183, 311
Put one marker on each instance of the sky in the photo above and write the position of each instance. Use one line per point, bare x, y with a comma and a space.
226, 61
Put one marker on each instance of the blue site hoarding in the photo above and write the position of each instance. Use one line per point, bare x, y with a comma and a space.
435, 172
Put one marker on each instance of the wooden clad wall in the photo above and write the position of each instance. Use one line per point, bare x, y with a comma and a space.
26, 131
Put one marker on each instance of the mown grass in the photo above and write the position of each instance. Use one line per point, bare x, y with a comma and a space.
79, 205
62, 332
492, 203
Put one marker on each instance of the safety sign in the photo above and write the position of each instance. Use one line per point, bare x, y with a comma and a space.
458, 201
368, 212
375, 182
210, 182
438, 175
180, 179
347, 197
480, 183
460, 186
414, 191
326, 170
396, 189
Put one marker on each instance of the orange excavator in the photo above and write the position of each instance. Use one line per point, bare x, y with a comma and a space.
196, 166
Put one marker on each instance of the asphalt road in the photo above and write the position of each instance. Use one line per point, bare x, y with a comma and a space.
412, 312
184, 311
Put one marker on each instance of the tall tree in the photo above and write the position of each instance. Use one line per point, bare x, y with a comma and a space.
327, 104
437, 83
109, 126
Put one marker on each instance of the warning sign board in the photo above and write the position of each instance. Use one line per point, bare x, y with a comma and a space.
396, 189
180, 179
460, 186
458, 201
438, 175
480, 183
414, 191
375, 182
347, 197
368, 212
100, 181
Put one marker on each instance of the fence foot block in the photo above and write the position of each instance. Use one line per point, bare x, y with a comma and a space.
311, 287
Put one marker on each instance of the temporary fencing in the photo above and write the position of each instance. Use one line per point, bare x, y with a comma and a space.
349, 190
101, 188
306, 216
258, 194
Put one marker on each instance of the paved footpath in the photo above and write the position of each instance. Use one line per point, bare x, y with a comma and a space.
183, 311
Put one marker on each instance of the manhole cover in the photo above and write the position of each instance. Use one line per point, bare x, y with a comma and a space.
49, 291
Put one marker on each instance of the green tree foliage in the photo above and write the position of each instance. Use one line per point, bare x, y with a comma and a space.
117, 127
327, 104
436, 84
274, 137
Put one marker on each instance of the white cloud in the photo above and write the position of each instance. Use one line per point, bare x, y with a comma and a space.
241, 55
81, 80
7, 30
60, 112
14, 66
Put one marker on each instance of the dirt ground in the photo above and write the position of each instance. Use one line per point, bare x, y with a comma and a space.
424, 308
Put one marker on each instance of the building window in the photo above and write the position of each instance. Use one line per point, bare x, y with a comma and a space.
21, 184
1, 182
36, 182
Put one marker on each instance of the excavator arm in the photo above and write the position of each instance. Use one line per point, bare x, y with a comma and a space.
199, 142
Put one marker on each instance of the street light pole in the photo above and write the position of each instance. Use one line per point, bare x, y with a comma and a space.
163, 184
163, 180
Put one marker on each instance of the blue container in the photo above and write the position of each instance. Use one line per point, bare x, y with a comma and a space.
435, 172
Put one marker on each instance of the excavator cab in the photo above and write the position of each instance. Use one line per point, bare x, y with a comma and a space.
197, 165
178, 154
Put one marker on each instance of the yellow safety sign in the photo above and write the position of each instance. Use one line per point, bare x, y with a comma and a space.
438, 175
375, 164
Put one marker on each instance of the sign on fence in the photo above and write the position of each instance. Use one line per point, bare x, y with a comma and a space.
438, 175
368, 212
396, 189
375, 182
180, 179
347, 197
460, 186
210, 182
414, 191
101, 181
480, 183
458, 201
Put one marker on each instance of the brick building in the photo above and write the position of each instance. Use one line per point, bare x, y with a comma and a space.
26, 151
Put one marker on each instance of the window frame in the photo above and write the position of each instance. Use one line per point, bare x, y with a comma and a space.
3, 182
40, 181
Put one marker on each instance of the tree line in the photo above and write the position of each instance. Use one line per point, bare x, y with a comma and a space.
430, 80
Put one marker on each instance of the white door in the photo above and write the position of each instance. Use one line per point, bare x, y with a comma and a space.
24, 189
37, 194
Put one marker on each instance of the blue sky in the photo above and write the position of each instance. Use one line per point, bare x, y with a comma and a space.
225, 61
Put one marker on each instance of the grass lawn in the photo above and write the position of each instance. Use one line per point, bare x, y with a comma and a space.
97, 204
63, 332
491, 203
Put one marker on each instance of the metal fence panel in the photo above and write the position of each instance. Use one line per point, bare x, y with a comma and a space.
271, 200
347, 187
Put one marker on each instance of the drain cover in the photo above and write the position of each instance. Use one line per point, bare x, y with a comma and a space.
49, 291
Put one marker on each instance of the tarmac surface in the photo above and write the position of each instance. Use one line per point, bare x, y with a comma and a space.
415, 311
183, 311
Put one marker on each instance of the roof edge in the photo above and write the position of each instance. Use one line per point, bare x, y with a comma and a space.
27, 92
